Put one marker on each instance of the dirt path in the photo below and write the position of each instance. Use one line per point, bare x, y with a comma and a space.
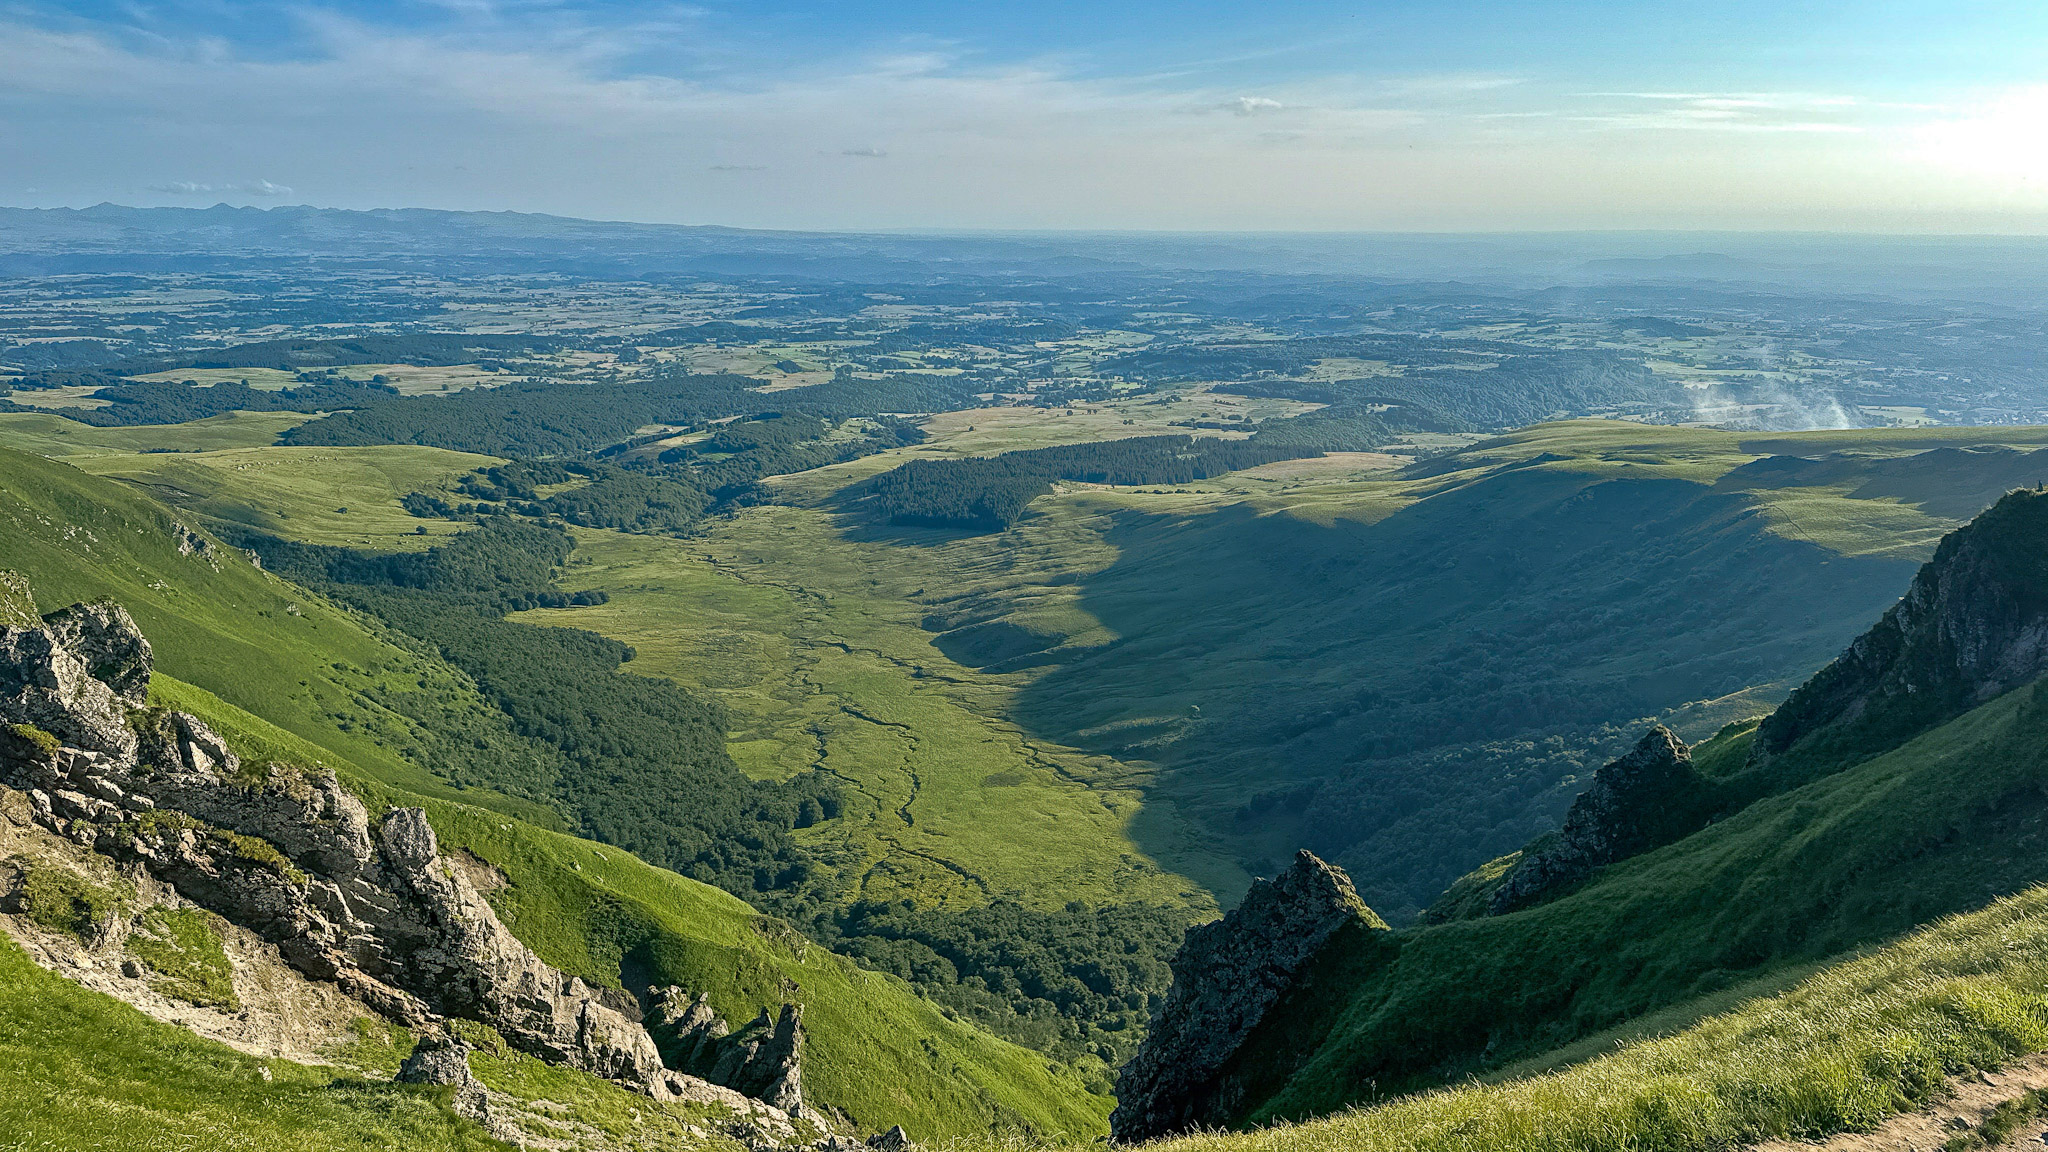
1971, 1100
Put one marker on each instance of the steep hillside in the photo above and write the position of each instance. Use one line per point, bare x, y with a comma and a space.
1952, 816
276, 669
1406, 672
1839, 1052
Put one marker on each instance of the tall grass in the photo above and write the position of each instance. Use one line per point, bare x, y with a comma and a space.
1843, 1050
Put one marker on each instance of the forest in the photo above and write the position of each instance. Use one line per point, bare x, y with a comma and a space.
568, 417
989, 493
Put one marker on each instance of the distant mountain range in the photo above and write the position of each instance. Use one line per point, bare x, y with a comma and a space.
113, 238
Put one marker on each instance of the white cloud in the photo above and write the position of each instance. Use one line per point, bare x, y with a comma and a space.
246, 188
572, 122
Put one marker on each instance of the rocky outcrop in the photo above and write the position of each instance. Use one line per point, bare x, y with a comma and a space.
1646, 799
1973, 625
1226, 977
76, 675
370, 905
763, 1060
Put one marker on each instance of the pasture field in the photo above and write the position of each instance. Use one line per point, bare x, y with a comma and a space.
54, 436
341, 496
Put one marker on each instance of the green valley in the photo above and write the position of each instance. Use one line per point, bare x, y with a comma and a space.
483, 681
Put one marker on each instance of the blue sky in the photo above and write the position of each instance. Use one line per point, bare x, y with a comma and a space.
1897, 116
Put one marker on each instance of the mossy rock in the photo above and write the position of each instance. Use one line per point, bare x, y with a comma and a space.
63, 901
43, 742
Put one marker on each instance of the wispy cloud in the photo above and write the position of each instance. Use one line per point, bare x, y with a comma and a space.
245, 187
576, 116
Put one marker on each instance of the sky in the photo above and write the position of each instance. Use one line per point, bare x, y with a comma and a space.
1397, 115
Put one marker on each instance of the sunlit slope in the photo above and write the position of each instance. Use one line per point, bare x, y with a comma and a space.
218, 621
48, 434
1842, 1050
344, 496
317, 685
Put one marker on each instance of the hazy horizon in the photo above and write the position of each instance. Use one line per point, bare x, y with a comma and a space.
1903, 117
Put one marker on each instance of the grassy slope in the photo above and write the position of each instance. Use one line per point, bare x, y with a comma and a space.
1842, 1050
49, 435
876, 1050
219, 621
883, 1055
81, 1070
342, 496
1941, 825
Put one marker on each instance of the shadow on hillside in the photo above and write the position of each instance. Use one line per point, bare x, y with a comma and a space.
1415, 696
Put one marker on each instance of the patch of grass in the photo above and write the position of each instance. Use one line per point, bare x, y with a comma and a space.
52, 435
81, 1070
341, 496
183, 947
43, 741
61, 900
374, 1045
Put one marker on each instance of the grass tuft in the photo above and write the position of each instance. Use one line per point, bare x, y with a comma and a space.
183, 947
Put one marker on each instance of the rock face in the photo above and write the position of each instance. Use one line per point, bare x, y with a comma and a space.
763, 1060
1973, 625
75, 675
1646, 799
368, 904
1226, 977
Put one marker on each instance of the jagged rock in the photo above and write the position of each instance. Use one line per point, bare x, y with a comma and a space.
1226, 977
894, 1140
1973, 625
687, 1030
764, 1060
75, 675
289, 854
1646, 799
476, 968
